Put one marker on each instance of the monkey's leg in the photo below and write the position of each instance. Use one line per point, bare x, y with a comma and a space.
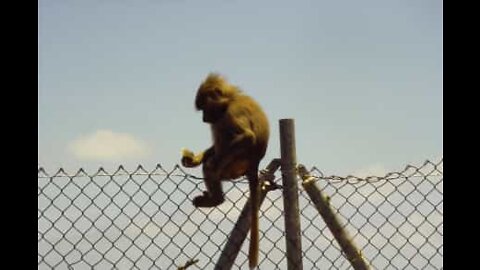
214, 194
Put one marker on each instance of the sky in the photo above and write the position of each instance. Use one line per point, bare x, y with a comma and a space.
362, 79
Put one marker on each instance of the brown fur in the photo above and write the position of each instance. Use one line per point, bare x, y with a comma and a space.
240, 131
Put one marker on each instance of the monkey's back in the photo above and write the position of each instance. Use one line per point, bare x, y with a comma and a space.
245, 106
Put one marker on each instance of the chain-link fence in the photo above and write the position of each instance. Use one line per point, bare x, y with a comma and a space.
145, 220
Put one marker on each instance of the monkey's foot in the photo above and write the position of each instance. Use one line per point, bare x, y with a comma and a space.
206, 200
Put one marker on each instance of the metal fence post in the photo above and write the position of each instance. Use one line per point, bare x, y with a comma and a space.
290, 194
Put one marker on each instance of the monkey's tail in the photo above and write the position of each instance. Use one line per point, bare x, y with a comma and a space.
255, 189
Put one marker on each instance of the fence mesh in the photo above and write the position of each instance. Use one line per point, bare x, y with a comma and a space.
145, 220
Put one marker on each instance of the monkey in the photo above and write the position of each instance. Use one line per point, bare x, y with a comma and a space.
240, 134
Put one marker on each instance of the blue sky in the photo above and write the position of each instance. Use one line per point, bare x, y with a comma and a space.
362, 79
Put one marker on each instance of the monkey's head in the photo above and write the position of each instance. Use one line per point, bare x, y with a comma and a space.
213, 97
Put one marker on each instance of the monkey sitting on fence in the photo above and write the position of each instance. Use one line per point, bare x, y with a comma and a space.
240, 132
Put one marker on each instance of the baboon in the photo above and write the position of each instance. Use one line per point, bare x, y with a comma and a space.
240, 132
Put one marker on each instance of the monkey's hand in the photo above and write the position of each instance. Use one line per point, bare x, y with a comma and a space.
189, 159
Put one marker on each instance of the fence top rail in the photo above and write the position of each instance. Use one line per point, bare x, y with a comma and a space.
140, 170
428, 168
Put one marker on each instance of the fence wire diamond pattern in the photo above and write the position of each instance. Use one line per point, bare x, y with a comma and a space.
145, 220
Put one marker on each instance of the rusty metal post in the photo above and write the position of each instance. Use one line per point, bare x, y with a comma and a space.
290, 194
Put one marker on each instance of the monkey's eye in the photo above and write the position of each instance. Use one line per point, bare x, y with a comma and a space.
217, 91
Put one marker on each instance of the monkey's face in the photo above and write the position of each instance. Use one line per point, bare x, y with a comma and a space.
212, 102
207, 97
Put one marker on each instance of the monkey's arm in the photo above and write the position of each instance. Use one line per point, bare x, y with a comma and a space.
243, 139
243, 135
189, 159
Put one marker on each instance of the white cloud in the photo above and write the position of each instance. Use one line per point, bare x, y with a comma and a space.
107, 145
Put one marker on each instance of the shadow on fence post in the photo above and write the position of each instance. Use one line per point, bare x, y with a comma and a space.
290, 194
322, 204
